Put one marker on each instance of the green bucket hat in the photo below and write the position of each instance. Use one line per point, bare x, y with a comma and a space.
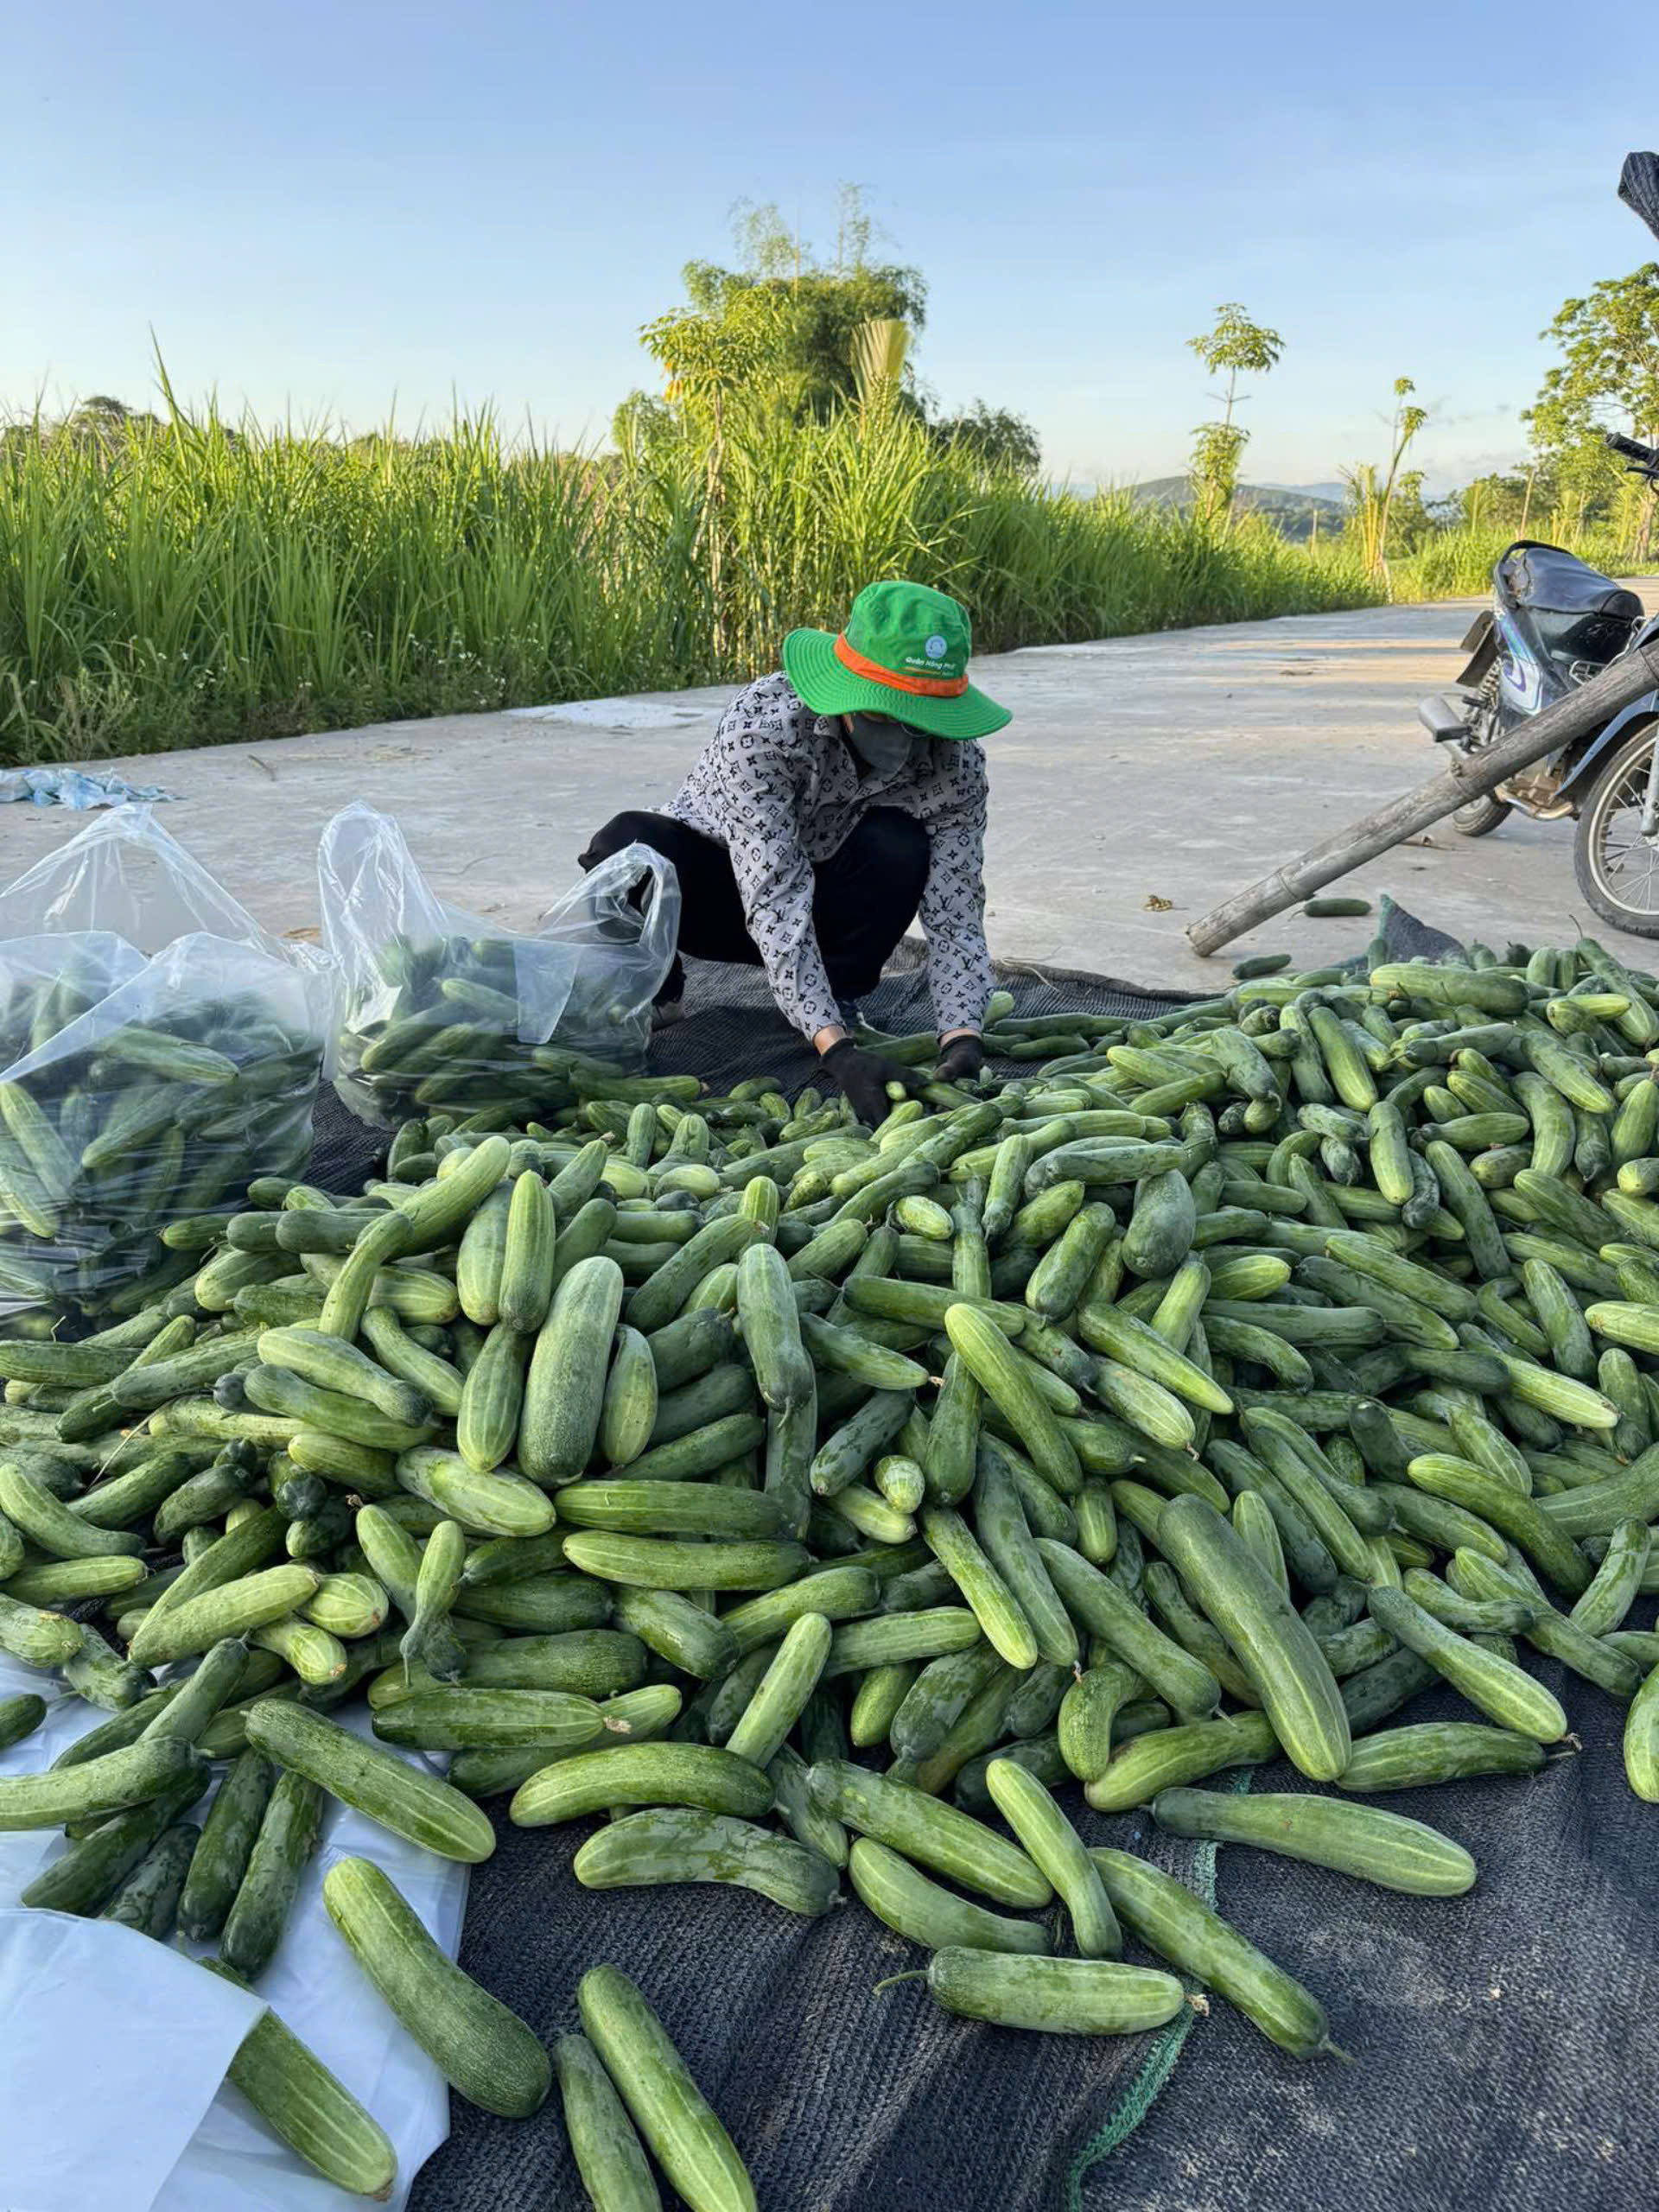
903, 653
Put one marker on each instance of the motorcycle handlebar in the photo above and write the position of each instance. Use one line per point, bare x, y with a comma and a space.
1631, 449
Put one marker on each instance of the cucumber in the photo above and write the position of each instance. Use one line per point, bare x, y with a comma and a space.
995, 1366
1545, 1630
87, 1873
36, 1513
525, 1283
500, 1503
1160, 1228
591, 1662
1166, 1758
1098, 1605
1641, 1740
297, 2097
221, 1674
404, 1798
1057, 1849
1386, 1848
68, 1582
221, 1855
1075, 1997
1298, 1692
771, 1326
544, 1604
679, 2128
698, 1775
609, 2155
565, 1389
1494, 1500
1434, 1751
483, 2049
467, 1717
994, 1604
924, 1912
673, 1844
935, 1835
148, 1900
1087, 1712
290, 1397
783, 1691
653, 1563
1180, 1928
1504, 1692
486, 1424
239, 1608
289, 1830
400, 1355
628, 1411
676, 1509
111, 1784
20, 1716
336, 1366
678, 1631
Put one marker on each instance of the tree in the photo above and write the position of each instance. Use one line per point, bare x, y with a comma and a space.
782, 322
1371, 503
1240, 347
1608, 379
1508, 500
996, 436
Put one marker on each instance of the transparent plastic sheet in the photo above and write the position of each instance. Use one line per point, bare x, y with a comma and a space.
159, 1051
444, 1014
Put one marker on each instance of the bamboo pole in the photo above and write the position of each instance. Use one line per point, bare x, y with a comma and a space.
1465, 778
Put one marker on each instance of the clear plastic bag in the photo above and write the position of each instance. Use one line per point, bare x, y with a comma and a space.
160, 1051
444, 1014
623, 922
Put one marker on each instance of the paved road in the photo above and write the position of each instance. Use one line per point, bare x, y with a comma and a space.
1174, 767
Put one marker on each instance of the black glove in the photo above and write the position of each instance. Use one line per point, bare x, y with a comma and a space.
863, 1080
961, 1060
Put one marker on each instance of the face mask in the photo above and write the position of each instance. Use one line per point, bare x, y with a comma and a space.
885, 746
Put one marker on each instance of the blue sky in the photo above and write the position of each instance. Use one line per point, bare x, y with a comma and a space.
331, 208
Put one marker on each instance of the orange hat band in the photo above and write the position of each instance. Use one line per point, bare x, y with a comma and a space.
923, 687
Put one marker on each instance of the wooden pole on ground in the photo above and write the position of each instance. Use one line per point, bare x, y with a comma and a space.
1464, 779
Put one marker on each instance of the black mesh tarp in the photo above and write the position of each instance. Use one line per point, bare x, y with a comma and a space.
1506, 2044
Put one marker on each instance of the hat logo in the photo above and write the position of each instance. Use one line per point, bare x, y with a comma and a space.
936, 648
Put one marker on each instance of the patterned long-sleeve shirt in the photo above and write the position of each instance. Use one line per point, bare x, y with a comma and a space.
777, 785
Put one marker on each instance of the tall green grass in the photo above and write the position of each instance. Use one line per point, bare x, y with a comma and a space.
192, 583
1458, 563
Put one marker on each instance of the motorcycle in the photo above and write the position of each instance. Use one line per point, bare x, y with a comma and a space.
1554, 623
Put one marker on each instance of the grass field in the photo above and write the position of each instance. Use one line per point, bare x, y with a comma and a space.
194, 583
1458, 564
190, 583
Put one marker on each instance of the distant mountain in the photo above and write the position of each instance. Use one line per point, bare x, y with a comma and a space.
1337, 493
1293, 509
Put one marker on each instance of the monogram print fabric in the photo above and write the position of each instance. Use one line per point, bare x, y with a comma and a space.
778, 787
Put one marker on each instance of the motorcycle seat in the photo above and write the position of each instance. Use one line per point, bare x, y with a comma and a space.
1549, 580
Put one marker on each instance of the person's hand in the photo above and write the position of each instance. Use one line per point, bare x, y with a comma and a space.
863, 1078
961, 1060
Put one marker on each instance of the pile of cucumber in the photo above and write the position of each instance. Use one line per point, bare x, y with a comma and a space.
438, 1031
116, 1121
793, 1501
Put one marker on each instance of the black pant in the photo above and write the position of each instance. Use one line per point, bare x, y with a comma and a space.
866, 895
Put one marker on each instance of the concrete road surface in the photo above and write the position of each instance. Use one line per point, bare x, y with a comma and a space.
1142, 779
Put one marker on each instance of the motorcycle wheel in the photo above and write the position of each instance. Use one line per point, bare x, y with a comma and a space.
1617, 871
1482, 816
